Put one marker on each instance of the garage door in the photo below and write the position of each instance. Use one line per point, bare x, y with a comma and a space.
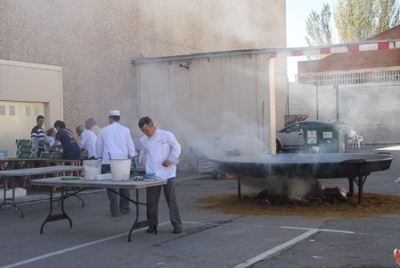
17, 120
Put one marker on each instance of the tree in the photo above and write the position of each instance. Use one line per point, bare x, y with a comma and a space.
355, 20
318, 27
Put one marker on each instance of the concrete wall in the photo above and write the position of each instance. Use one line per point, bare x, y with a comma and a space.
94, 42
219, 104
33, 83
370, 110
26, 91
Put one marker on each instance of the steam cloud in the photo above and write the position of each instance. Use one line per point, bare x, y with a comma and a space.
292, 188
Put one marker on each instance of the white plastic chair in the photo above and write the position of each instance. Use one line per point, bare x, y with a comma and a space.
356, 140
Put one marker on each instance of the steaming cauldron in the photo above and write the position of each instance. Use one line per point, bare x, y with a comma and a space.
355, 167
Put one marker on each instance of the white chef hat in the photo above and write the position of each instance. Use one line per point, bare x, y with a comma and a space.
114, 113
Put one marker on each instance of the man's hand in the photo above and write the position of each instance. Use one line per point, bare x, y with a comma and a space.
167, 163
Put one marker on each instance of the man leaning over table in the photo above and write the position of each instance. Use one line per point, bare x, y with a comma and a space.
87, 141
64, 136
159, 153
115, 141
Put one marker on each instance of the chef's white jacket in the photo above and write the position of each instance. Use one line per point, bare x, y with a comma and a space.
88, 141
162, 145
115, 140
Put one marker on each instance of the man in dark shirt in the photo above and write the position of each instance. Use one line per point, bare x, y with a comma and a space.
38, 135
65, 136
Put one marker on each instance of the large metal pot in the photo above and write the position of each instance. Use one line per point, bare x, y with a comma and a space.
294, 165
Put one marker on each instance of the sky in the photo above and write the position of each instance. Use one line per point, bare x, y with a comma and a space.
297, 12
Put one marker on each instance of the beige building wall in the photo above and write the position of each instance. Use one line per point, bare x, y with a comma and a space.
27, 90
216, 105
94, 42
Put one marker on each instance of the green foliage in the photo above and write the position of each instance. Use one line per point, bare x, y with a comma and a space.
318, 27
355, 20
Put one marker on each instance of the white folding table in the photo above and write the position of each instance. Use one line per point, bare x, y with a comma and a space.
63, 182
6, 175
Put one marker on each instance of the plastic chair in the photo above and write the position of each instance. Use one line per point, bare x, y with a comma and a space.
360, 141
355, 139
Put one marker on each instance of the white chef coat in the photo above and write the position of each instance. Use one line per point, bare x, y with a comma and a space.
88, 141
162, 145
115, 140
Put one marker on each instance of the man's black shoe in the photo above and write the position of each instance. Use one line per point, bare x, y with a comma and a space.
177, 230
125, 210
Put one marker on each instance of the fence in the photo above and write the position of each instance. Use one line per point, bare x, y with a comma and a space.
370, 110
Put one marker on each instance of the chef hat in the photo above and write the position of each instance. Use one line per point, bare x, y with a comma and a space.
114, 113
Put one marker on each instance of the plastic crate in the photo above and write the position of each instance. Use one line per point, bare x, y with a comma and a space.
3, 154
25, 154
25, 142
25, 148
46, 154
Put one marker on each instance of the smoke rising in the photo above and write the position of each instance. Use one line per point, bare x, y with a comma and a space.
292, 188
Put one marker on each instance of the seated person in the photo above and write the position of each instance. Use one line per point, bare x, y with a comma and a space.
51, 137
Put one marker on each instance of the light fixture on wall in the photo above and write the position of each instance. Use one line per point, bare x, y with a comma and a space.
185, 64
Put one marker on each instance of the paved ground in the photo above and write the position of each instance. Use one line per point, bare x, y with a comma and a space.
210, 238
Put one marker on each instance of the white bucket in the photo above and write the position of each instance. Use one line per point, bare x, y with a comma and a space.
91, 168
120, 169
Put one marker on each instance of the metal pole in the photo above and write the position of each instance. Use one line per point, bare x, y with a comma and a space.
288, 97
337, 102
316, 98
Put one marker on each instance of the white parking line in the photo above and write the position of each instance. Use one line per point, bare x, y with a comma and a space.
320, 230
76, 247
62, 251
310, 231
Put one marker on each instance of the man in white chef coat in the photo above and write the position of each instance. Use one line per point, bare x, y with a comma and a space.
159, 153
115, 141
87, 141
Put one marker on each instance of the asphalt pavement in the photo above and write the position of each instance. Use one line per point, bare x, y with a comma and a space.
210, 238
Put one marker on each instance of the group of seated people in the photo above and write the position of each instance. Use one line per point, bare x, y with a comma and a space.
61, 139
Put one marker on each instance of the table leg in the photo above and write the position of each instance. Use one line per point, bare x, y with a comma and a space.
360, 182
351, 186
4, 203
74, 193
239, 188
50, 217
138, 224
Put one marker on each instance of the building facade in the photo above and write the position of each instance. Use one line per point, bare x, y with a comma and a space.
359, 88
379, 67
94, 42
